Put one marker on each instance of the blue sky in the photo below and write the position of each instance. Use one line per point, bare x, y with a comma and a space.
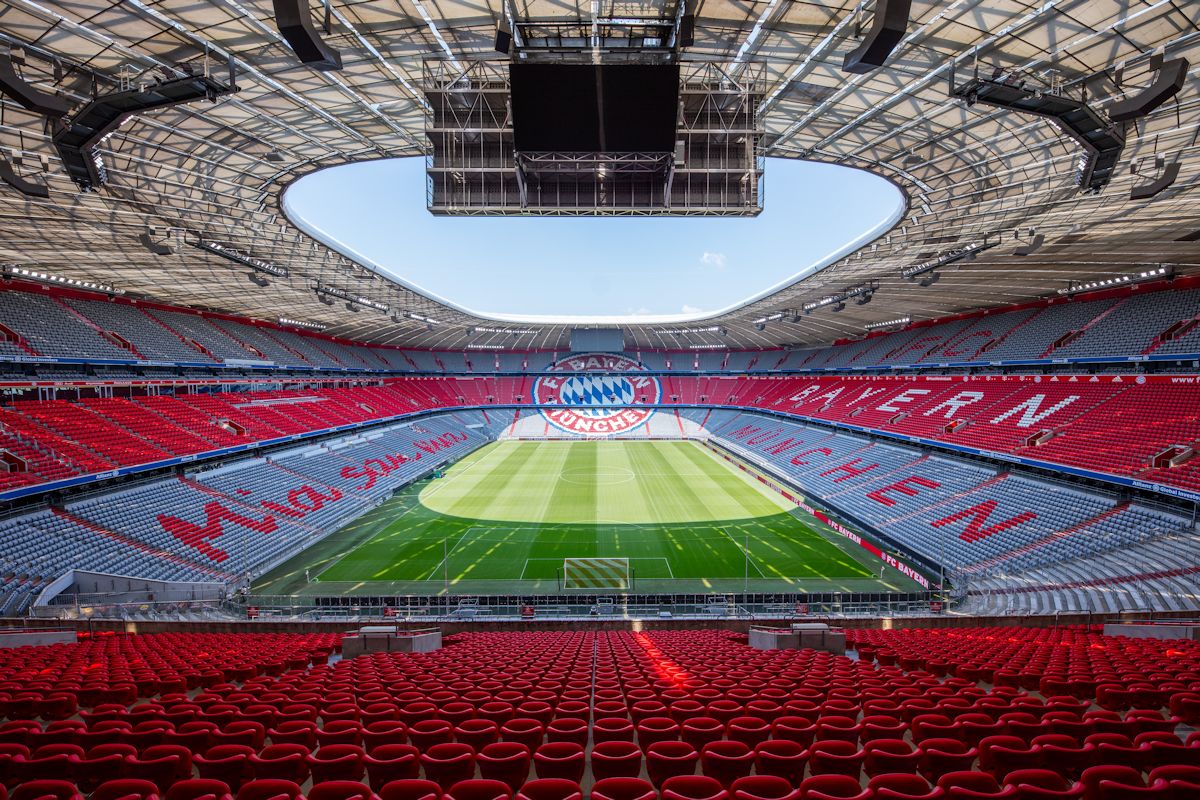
516, 267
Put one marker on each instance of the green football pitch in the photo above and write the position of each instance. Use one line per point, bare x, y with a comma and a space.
672, 517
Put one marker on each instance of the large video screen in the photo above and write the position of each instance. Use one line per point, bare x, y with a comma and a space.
609, 108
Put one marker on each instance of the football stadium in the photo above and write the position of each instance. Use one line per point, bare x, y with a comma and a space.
680, 400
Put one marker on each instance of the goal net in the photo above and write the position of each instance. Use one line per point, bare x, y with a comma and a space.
596, 573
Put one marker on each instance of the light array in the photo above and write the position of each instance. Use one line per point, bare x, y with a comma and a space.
776, 316
708, 347
485, 347
839, 300
239, 257
421, 318
513, 331
47, 277
690, 331
349, 297
295, 323
890, 323
1156, 274
947, 258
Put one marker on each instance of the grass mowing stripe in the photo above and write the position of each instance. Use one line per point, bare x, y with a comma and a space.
516, 509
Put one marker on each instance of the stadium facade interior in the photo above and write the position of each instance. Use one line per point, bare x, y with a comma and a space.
920, 525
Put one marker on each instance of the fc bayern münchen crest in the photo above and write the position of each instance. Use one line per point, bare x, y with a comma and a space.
586, 398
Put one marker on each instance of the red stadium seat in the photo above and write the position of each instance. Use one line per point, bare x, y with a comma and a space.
750, 731
764, 787
657, 729
429, 732
337, 762
1042, 784
126, 789
693, 787
269, 790
38, 790
572, 730
287, 762
383, 732
479, 789
1183, 781
392, 762
448, 763
726, 761
974, 786
699, 731
613, 729
522, 730
623, 789
939, 756
411, 789
835, 758
563, 760
903, 787
889, 756
199, 789
161, 769
832, 787
340, 790
614, 759
795, 729
670, 759
550, 789
229, 763
508, 762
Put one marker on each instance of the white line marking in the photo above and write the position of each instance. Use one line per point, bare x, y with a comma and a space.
745, 552
416, 504
434, 571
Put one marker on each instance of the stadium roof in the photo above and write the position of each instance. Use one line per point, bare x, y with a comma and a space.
218, 170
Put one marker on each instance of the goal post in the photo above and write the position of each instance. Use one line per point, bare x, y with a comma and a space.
596, 573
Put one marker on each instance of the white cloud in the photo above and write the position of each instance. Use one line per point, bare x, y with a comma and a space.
689, 309
715, 260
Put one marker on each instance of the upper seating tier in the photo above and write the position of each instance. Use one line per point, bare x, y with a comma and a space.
1144, 322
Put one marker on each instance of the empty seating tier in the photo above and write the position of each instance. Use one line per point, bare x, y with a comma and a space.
1110, 425
947, 714
217, 524
1154, 324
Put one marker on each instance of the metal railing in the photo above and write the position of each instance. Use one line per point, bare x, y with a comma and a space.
565, 607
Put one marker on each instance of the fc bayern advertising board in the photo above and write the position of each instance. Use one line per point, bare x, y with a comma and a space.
582, 395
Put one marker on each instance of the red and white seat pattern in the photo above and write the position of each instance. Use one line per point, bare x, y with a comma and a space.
1108, 424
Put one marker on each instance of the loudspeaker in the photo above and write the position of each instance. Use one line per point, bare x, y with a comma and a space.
156, 248
294, 20
687, 30
504, 37
1031, 247
1147, 190
29, 96
1168, 80
887, 29
27, 188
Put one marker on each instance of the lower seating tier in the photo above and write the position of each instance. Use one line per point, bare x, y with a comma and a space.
220, 523
940, 714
